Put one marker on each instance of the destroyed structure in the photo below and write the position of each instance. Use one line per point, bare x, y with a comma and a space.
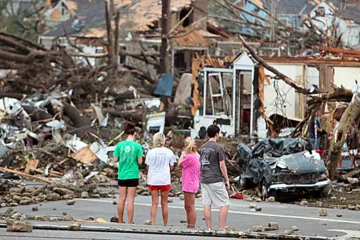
64, 99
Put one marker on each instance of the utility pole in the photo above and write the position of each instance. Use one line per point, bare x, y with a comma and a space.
165, 28
272, 29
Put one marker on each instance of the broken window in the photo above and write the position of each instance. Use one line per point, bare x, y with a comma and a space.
219, 87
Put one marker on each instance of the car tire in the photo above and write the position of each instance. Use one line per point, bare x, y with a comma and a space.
325, 191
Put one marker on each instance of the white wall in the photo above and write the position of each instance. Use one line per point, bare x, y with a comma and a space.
282, 100
312, 77
346, 76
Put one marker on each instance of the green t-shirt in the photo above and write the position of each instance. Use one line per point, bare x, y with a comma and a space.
128, 152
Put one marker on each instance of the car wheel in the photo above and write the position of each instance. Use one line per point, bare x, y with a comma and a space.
325, 191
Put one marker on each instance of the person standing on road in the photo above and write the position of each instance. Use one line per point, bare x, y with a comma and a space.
129, 155
160, 162
315, 131
213, 175
190, 164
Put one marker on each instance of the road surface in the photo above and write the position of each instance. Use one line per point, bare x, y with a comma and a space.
241, 217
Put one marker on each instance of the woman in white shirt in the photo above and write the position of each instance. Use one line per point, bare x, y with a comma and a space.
160, 161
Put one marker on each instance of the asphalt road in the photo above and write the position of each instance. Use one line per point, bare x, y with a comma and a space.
241, 217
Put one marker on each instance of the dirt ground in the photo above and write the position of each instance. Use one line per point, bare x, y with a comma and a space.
339, 198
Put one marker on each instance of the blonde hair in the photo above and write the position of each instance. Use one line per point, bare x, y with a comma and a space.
159, 139
190, 145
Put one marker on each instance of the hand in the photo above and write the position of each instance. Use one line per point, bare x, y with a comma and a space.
227, 184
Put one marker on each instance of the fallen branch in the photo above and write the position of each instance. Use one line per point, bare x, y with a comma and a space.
25, 175
280, 75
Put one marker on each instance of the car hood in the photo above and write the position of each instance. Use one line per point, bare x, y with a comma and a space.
298, 163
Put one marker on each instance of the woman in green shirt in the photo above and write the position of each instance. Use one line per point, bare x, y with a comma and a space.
129, 155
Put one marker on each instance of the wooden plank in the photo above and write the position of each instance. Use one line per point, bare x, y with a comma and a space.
302, 95
32, 164
84, 155
337, 50
51, 173
25, 175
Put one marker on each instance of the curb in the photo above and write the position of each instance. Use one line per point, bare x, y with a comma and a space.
184, 232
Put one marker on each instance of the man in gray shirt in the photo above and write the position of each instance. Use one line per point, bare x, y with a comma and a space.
214, 178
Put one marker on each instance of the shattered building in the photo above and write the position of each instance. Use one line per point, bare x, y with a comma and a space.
244, 98
337, 18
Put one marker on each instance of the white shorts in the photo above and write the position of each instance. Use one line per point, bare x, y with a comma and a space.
215, 194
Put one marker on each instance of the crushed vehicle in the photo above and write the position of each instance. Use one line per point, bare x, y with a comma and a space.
283, 165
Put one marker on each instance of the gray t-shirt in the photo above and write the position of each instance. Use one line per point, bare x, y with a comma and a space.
211, 154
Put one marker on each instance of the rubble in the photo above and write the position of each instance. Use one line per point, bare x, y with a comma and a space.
70, 202
274, 225
114, 219
84, 195
258, 228
18, 226
323, 212
74, 227
258, 209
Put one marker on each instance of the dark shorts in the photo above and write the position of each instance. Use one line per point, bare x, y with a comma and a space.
161, 188
128, 182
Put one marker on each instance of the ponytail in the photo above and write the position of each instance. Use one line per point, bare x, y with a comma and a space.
190, 145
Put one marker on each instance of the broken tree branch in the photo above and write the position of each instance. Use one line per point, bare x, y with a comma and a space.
280, 75
339, 138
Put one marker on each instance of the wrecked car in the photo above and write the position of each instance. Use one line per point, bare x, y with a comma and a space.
283, 165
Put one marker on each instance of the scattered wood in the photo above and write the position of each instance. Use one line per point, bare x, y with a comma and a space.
32, 164
84, 155
51, 173
27, 176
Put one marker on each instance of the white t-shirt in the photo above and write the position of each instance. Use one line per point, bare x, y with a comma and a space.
159, 161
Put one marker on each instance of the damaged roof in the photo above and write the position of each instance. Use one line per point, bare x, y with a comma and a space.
348, 10
135, 15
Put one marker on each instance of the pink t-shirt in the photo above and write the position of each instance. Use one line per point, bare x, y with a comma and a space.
191, 173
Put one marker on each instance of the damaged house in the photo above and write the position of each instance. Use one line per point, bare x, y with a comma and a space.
190, 32
244, 98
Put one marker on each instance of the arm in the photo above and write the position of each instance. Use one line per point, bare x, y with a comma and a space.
140, 160
181, 159
140, 155
116, 154
224, 173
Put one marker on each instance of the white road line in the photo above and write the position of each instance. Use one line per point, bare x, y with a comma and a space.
199, 208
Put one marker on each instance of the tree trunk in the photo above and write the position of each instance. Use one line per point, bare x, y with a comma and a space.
165, 28
75, 116
339, 138
110, 44
117, 33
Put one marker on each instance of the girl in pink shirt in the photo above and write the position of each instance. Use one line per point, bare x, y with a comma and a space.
190, 163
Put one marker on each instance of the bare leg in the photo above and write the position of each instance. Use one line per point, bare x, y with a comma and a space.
154, 205
223, 215
121, 203
164, 206
189, 202
130, 203
207, 216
